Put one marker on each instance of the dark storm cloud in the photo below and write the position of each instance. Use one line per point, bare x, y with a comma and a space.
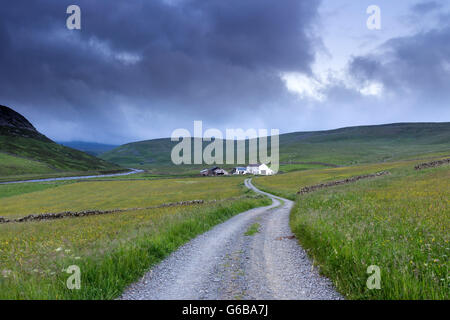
140, 68
426, 7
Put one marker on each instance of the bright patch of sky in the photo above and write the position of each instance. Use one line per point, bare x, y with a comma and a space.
344, 34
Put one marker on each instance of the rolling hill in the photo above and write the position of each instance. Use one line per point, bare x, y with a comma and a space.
92, 148
345, 146
24, 151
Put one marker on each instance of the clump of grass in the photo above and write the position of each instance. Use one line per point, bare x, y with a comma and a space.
253, 229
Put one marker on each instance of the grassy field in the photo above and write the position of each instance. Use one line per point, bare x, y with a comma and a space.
98, 195
8, 190
112, 250
287, 185
399, 222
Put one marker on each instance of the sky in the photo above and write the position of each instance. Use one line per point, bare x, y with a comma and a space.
140, 69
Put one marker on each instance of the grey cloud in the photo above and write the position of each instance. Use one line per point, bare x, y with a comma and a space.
139, 69
425, 7
417, 65
187, 59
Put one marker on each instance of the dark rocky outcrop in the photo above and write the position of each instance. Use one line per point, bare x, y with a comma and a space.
18, 137
10, 118
13, 124
340, 182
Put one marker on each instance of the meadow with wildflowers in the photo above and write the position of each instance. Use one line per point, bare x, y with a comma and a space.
399, 222
120, 194
111, 250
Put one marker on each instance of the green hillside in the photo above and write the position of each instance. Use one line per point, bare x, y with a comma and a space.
300, 150
19, 166
25, 152
366, 144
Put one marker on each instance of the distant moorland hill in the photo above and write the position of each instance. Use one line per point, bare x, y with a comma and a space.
91, 148
345, 146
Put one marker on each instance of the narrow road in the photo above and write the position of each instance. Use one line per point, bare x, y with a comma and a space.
224, 263
132, 171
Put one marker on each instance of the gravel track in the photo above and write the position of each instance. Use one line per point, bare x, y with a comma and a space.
224, 263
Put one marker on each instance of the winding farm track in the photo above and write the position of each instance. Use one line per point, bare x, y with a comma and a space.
224, 263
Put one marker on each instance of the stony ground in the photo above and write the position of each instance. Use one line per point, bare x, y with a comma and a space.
225, 263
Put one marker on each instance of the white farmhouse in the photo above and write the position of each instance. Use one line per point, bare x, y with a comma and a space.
259, 169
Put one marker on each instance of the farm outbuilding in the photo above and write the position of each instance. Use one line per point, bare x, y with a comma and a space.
239, 170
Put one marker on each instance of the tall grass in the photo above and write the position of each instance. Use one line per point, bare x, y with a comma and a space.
112, 251
400, 223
